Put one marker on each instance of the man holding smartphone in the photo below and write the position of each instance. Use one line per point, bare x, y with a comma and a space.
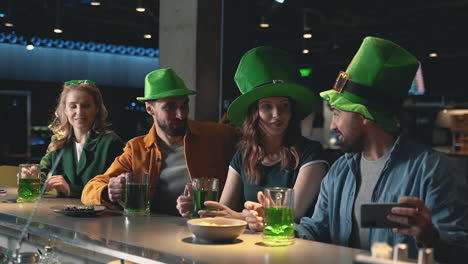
382, 165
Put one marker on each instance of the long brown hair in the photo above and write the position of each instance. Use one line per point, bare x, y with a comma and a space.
61, 127
253, 145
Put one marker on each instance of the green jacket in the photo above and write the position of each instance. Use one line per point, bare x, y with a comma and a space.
99, 152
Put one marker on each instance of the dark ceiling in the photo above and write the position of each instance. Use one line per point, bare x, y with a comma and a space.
338, 27
113, 22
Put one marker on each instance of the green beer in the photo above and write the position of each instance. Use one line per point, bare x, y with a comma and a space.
29, 190
279, 226
279, 222
199, 198
136, 199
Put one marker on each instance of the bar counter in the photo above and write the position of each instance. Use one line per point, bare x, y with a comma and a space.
152, 239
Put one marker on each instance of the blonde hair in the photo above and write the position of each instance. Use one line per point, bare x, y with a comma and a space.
254, 148
61, 127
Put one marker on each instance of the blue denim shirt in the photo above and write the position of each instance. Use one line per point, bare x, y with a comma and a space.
412, 170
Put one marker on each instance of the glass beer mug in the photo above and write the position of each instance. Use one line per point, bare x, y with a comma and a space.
204, 189
29, 183
279, 217
136, 201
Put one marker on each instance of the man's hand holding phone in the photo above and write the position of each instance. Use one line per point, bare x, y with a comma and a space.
408, 217
417, 220
374, 215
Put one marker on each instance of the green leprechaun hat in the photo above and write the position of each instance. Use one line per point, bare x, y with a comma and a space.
375, 83
265, 72
164, 83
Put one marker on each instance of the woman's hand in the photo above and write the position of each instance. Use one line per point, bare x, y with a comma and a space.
58, 183
254, 212
223, 211
28, 172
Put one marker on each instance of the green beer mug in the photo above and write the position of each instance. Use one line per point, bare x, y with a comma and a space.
136, 200
204, 189
29, 183
278, 220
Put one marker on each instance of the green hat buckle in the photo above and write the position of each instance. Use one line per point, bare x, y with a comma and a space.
375, 83
164, 83
265, 72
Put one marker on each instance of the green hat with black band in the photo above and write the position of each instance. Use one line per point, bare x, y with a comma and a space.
164, 83
265, 72
375, 83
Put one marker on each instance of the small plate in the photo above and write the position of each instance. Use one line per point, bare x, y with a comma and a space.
60, 209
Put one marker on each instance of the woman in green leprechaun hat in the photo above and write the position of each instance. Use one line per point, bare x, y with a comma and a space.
272, 151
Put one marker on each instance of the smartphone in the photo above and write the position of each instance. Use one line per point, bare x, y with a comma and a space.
374, 215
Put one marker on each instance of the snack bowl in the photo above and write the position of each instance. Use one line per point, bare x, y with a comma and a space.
217, 229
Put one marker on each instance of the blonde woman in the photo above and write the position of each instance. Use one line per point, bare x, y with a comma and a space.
79, 129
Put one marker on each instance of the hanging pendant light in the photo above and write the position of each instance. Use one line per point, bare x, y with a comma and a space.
58, 19
140, 7
8, 22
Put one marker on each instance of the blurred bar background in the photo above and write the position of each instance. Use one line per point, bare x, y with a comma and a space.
116, 43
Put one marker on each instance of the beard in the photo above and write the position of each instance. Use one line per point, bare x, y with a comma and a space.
174, 128
352, 143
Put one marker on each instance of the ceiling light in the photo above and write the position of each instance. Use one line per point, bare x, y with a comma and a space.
58, 18
280, 1
264, 23
305, 51
433, 55
8, 22
147, 36
140, 7
95, 3
29, 45
307, 35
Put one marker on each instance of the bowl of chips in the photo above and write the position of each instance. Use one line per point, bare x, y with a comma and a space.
217, 229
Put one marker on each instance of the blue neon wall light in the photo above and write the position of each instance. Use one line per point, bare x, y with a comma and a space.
12, 38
